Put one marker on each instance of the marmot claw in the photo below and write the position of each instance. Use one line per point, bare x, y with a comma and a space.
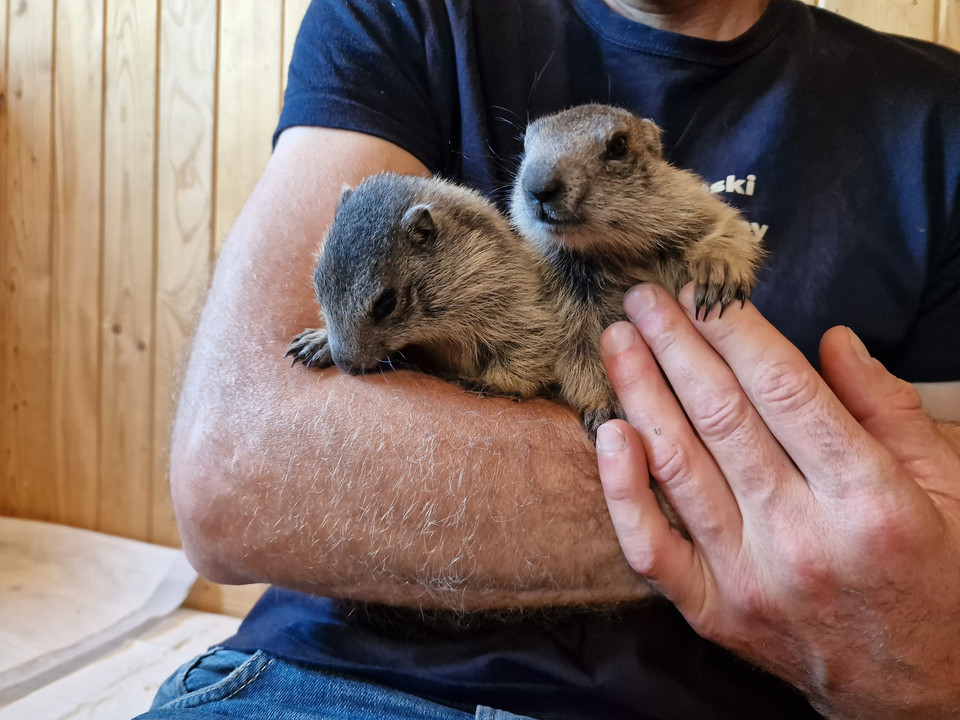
310, 347
593, 418
706, 296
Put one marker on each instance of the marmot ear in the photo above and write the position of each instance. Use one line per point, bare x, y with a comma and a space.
420, 224
651, 136
345, 192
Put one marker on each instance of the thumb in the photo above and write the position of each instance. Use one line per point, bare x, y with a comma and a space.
652, 546
870, 393
887, 407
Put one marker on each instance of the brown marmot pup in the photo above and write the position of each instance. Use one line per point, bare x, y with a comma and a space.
606, 211
422, 272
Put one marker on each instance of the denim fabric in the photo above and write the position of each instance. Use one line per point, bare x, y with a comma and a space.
225, 683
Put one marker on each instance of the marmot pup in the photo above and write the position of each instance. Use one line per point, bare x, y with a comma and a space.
607, 211
430, 274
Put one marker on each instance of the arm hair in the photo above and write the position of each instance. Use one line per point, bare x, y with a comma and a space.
394, 488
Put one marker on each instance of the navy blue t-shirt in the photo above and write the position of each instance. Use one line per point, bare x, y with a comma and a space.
840, 145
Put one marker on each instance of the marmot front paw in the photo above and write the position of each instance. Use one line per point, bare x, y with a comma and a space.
311, 348
594, 417
718, 282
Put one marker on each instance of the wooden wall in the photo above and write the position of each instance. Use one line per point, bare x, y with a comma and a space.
131, 131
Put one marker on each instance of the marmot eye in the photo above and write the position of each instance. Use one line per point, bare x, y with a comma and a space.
384, 305
616, 147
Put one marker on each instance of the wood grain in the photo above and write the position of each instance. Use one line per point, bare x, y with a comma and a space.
26, 273
188, 41
6, 176
914, 18
251, 43
948, 31
126, 447
233, 600
78, 113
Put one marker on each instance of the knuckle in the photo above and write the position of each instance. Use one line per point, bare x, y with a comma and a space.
755, 603
642, 560
886, 531
712, 627
786, 387
667, 337
661, 327
645, 558
628, 379
628, 373
720, 413
810, 575
885, 540
670, 464
814, 582
617, 487
905, 396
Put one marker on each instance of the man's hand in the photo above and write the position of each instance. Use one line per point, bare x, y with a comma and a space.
823, 513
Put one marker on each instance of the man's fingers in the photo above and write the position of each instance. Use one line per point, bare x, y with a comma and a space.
877, 399
800, 410
674, 454
730, 427
887, 407
653, 547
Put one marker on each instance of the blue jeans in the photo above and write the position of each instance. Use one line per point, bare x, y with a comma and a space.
224, 684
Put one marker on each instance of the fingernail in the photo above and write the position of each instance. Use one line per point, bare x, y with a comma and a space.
859, 349
638, 301
610, 439
617, 338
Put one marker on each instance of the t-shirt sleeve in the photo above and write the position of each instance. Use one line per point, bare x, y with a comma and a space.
365, 66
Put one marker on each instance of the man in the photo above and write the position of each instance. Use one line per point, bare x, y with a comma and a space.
402, 490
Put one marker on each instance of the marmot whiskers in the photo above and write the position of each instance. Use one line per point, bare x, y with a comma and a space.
429, 273
607, 211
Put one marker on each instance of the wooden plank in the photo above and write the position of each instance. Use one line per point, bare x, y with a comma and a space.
251, 44
78, 109
121, 681
4, 221
126, 441
188, 39
948, 30
914, 18
26, 273
293, 12
235, 600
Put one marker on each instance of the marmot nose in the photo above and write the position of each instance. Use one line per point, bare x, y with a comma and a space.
545, 192
348, 366
344, 358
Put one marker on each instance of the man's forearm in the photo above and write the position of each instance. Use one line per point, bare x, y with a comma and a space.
394, 488
397, 489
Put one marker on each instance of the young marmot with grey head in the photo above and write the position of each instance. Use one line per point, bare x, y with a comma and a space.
428, 273
607, 211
